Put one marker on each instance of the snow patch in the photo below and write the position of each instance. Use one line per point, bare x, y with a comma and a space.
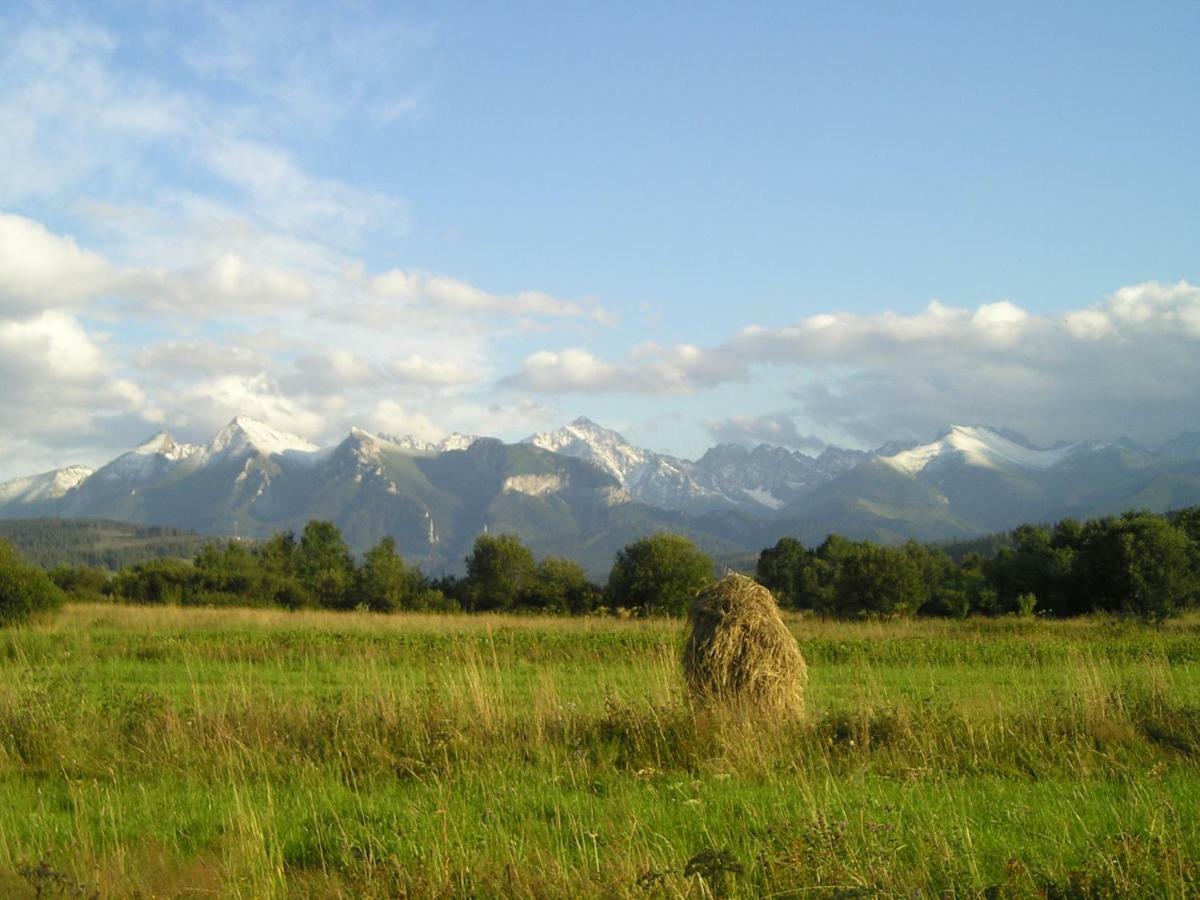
980, 447
766, 498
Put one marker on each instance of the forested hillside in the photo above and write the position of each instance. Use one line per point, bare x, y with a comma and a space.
99, 543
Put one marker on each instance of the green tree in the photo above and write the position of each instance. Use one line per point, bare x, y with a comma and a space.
279, 555
25, 591
1187, 520
230, 574
325, 566
962, 590
1138, 564
278, 561
1039, 562
860, 579
781, 569
500, 570
561, 586
658, 575
385, 583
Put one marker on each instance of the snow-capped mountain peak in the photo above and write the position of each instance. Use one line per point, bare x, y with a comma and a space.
46, 486
162, 444
147, 460
728, 475
244, 433
981, 447
603, 447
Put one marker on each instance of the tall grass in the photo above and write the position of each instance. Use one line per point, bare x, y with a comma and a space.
194, 752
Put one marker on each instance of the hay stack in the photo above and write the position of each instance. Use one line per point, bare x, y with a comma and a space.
740, 655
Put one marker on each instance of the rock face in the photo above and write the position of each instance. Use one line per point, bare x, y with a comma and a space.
533, 485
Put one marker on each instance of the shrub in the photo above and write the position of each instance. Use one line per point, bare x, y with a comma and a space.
81, 583
25, 591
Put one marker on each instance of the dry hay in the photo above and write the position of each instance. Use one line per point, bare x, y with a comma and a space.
740, 655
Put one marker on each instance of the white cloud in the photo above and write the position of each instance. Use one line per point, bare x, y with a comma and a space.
451, 294
174, 358
51, 346
320, 65
228, 283
416, 369
651, 369
281, 194
389, 417
60, 392
576, 370
203, 407
40, 270
66, 116
1126, 365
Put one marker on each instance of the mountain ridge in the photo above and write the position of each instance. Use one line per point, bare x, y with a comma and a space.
583, 490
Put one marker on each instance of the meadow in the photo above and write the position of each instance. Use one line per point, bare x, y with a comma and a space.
176, 752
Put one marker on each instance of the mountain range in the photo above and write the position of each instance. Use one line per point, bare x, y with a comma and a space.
583, 491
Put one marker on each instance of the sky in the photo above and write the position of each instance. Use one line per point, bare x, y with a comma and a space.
800, 223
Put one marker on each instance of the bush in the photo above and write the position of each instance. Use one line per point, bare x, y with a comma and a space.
160, 581
25, 591
81, 583
561, 587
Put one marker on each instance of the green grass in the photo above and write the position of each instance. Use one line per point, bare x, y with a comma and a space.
172, 752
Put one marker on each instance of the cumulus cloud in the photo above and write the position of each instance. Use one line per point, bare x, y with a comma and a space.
390, 417
40, 270
203, 407
1125, 365
328, 372
227, 283
416, 369
51, 346
59, 390
652, 369
574, 370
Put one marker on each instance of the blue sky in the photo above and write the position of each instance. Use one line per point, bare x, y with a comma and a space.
803, 223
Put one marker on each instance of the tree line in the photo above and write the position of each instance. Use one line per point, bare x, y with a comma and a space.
317, 570
1138, 564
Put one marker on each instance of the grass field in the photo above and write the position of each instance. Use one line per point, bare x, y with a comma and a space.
169, 752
